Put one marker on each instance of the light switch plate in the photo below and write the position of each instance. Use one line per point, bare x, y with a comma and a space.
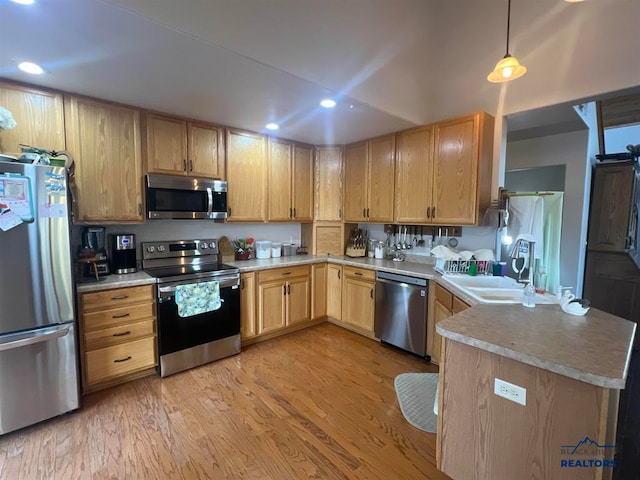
510, 391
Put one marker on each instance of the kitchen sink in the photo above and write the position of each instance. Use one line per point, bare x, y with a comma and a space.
488, 289
483, 281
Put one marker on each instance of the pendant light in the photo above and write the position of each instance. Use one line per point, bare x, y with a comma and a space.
509, 67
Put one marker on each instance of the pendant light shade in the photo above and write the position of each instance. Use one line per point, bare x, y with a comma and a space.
509, 68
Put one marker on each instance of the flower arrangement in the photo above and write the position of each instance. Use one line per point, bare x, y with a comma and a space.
6, 119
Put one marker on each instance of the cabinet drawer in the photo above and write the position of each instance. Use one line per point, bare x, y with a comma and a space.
117, 297
360, 273
110, 362
117, 316
458, 305
283, 273
444, 296
115, 335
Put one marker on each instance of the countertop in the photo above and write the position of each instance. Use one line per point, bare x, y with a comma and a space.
594, 349
116, 281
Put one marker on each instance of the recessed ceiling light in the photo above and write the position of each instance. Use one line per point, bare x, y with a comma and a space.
272, 126
23, 2
30, 67
328, 103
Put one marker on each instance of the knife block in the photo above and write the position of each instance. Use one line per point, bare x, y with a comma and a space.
355, 252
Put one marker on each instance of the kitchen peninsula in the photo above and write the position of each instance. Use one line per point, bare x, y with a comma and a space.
563, 425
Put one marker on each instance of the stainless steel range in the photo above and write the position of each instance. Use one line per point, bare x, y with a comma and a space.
198, 303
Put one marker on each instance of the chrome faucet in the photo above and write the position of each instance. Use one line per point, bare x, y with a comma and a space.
529, 247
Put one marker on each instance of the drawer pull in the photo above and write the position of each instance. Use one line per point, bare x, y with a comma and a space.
119, 297
286, 273
357, 273
122, 334
120, 315
120, 360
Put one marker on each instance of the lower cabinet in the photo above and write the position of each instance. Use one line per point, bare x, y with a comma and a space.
118, 335
358, 298
334, 291
319, 288
248, 305
445, 304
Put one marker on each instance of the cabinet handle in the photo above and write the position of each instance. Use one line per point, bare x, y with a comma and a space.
288, 289
242, 284
428, 212
120, 360
119, 297
139, 209
339, 272
357, 273
228, 211
284, 289
339, 213
294, 212
184, 164
121, 315
364, 213
433, 212
290, 212
367, 212
122, 334
191, 165
372, 293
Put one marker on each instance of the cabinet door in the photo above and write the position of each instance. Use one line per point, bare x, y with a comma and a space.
414, 175
319, 287
248, 305
166, 144
280, 206
298, 300
440, 313
382, 154
271, 307
39, 117
302, 183
104, 140
328, 183
358, 300
206, 150
355, 182
246, 174
455, 172
334, 291
612, 198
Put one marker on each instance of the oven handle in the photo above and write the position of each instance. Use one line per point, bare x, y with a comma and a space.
224, 282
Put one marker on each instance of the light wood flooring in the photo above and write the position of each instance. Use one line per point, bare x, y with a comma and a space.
318, 403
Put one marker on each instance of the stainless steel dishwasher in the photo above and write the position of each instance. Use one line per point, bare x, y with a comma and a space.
401, 312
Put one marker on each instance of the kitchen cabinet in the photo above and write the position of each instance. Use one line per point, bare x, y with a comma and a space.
334, 291
117, 335
246, 176
176, 146
104, 139
248, 305
328, 183
39, 116
283, 298
358, 299
443, 171
369, 186
290, 181
444, 305
319, 289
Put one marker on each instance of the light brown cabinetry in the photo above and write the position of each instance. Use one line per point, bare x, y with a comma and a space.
104, 140
358, 299
290, 181
176, 146
444, 305
283, 298
248, 305
39, 117
369, 185
118, 335
319, 289
328, 183
247, 176
334, 291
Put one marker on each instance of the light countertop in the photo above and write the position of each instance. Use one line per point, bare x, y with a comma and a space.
594, 349
116, 281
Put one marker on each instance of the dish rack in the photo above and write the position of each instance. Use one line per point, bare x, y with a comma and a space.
462, 266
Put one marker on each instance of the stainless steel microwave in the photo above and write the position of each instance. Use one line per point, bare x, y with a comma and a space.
169, 196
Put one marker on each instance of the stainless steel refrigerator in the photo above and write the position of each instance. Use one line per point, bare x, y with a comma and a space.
38, 364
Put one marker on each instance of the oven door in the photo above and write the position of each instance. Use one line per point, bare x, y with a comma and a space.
176, 333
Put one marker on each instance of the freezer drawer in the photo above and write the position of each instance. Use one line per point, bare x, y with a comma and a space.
38, 376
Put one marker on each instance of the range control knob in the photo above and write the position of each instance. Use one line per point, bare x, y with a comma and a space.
161, 248
151, 249
212, 245
203, 246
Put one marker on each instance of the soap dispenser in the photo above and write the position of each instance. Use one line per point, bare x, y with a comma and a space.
529, 296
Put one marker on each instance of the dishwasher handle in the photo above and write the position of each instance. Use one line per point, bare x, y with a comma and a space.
385, 277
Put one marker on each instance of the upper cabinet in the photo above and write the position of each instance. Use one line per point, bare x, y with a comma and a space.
39, 117
369, 186
328, 183
246, 175
178, 147
443, 174
104, 140
290, 181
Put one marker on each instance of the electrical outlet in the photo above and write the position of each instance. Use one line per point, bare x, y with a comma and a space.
510, 391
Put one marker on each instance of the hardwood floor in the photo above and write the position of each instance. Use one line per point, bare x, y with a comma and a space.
318, 403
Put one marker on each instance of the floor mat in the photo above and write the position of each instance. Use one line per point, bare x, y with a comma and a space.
416, 393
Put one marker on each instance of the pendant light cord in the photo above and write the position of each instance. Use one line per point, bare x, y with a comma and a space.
508, 24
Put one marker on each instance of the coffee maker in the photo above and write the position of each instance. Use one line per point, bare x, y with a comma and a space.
93, 248
123, 253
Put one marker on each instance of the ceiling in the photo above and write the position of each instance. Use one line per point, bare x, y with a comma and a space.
391, 64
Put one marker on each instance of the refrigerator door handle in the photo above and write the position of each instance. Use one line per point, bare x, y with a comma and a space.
34, 338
